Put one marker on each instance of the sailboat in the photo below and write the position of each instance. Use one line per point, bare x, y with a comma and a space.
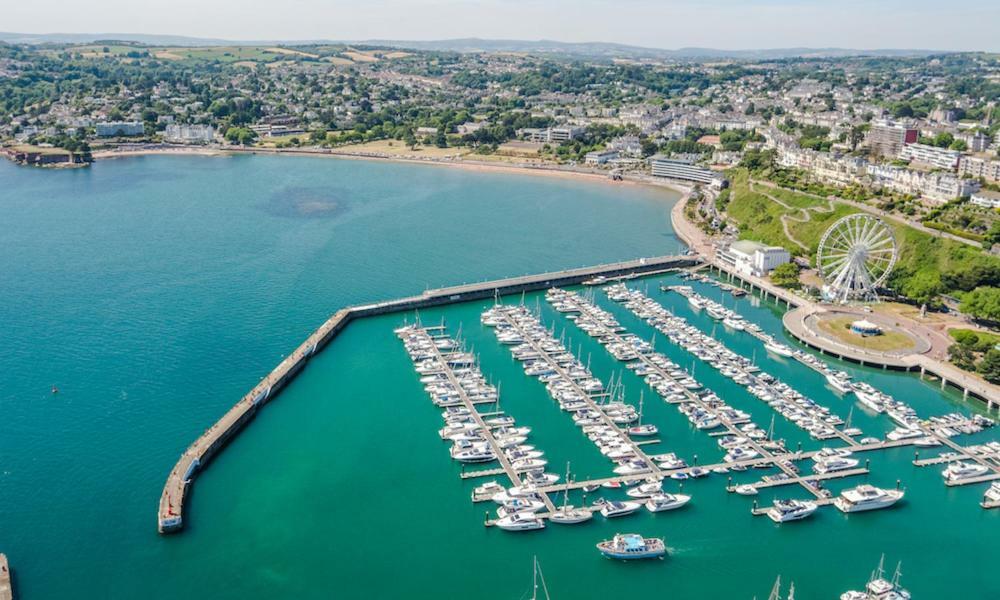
536, 578
878, 587
566, 514
776, 590
640, 430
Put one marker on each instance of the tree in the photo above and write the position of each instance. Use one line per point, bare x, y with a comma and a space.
240, 135
989, 368
943, 139
982, 303
410, 140
962, 357
786, 275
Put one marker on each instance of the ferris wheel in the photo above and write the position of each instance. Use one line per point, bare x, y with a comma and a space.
855, 257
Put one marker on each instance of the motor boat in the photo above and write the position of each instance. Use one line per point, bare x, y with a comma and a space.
615, 508
520, 522
838, 463
791, 510
992, 495
866, 497
663, 501
779, 349
746, 489
962, 471
632, 546
646, 490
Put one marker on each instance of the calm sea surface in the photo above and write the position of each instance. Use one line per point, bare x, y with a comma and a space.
154, 292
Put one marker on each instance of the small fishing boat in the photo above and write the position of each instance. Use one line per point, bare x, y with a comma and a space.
632, 546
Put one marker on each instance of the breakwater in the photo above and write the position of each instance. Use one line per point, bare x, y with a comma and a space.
170, 517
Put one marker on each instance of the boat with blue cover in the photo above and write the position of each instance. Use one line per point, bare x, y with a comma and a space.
632, 546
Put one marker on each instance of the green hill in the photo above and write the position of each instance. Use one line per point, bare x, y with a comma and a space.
927, 266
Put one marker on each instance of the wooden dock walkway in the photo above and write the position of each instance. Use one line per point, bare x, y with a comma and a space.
805, 480
763, 337
588, 398
170, 514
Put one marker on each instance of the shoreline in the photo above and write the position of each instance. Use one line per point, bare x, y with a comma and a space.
929, 361
468, 165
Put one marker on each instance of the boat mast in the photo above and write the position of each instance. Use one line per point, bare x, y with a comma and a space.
776, 590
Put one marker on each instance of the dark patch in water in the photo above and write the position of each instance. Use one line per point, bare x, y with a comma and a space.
305, 203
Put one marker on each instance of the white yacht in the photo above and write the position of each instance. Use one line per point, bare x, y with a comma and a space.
866, 497
791, 510
905, 433
663, 501
619, 509
746, 489
568, 515
838, 463
520, 522
646, 490
779, 349
878, 588
734, 323
992, 495
961, 471
643, 430
696, 302
840, 383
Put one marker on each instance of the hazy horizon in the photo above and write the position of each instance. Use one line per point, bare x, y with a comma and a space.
669, 24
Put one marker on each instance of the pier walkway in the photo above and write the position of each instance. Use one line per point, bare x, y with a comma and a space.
588, 398
170, 514
6, 583
608, 336
505, 464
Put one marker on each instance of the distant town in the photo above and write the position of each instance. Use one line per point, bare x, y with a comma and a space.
773, 149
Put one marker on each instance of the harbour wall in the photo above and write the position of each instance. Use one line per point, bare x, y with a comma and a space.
6, 580
170, 517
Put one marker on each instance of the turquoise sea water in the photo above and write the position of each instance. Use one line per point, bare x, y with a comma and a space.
155, 291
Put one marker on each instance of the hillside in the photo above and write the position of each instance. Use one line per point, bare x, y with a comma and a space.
927, 265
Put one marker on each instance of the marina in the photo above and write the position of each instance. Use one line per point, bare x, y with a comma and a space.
357, 420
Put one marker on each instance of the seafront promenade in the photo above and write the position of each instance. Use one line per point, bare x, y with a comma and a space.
170, 516
926, 358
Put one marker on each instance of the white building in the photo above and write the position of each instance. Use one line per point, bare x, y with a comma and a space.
552, 134
932, 156
600, 157
683, 170
973, 166
120, 128
189, 134
941, 187
754, 258
986, 198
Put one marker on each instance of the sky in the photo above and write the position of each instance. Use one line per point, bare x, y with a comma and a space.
725, 24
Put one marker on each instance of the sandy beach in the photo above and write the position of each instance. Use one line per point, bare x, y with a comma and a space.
345, 153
